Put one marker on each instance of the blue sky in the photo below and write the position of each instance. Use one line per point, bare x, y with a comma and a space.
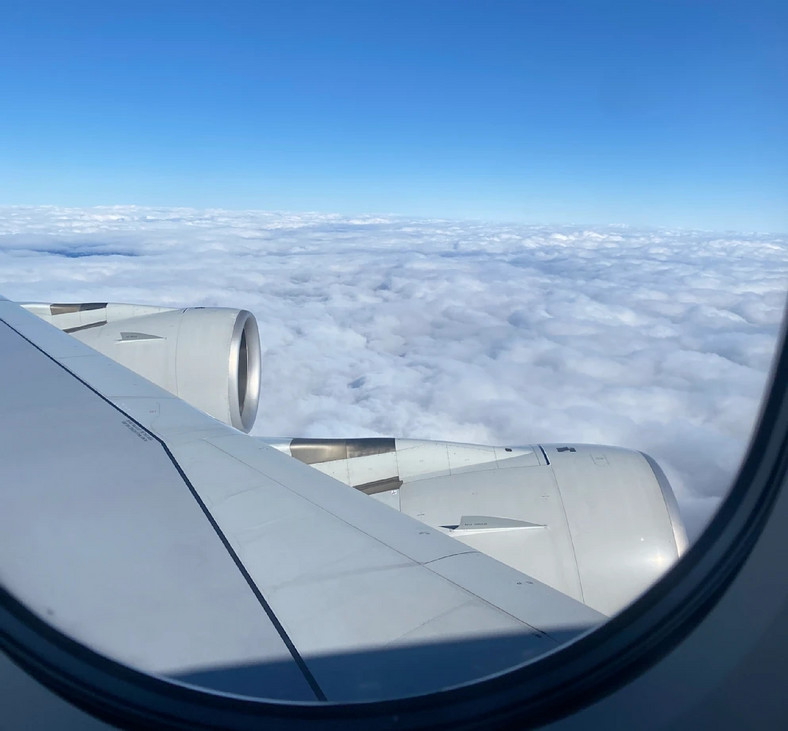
645, 113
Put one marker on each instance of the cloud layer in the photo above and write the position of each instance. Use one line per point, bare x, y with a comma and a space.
660, 340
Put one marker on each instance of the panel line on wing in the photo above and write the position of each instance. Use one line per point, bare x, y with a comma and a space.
307, 673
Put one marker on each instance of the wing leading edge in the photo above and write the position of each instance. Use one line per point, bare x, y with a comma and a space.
158, 536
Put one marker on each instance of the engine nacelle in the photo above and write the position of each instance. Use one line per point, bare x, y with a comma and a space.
209, 357
598, 523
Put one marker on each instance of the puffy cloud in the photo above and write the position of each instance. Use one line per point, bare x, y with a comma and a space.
660, 340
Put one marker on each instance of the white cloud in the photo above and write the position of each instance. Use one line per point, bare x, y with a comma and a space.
657, 340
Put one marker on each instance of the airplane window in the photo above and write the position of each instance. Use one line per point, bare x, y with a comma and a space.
384, 470
488, 458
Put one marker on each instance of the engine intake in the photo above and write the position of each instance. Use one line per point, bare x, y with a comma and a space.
209, 357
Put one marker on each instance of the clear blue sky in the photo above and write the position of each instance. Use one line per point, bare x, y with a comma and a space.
646, 113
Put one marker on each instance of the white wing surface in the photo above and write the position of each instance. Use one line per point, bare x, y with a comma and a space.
159, 537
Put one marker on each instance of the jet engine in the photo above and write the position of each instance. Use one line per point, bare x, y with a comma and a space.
597, 523
207, 356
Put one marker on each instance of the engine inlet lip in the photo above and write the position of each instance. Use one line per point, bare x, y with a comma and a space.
244, 371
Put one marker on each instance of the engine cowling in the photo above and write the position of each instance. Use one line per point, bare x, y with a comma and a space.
209, 357
598, 523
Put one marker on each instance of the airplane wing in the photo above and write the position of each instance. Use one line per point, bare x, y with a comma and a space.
158, 536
